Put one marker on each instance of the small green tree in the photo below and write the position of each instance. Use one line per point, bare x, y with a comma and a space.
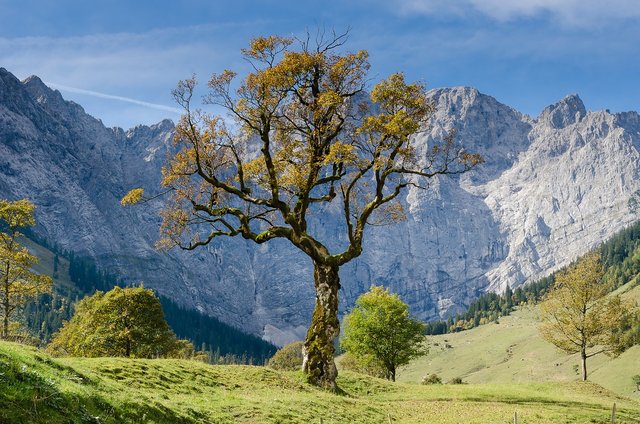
380, 329
288, 358
579, 317
125, 322
18, 284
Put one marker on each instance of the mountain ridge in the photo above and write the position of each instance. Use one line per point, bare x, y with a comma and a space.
551, 188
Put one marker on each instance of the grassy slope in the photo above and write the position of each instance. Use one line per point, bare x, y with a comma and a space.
45, 263
38, 389
513, 351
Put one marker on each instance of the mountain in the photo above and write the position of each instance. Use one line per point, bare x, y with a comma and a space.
551, 189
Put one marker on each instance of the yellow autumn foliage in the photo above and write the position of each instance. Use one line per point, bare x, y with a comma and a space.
133, 197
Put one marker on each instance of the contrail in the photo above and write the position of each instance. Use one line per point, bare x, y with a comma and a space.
112, 97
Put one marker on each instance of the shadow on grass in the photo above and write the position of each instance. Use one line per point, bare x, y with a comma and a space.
29, 397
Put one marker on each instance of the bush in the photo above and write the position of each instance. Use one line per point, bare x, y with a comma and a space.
431, 379
456, 380
366, 365
124, 322
288, 358
636, 381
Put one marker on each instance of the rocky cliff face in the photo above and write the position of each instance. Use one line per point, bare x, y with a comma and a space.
551, 189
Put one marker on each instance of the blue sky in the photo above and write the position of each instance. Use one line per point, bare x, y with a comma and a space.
120, 59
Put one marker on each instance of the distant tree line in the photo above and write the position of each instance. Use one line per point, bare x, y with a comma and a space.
45, 315
620, 257
223, 343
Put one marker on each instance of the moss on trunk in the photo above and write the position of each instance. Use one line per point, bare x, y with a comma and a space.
318, 348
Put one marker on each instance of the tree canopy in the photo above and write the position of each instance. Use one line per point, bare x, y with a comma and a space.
126, 322
18, 283
579, 317
380, 330
305, 138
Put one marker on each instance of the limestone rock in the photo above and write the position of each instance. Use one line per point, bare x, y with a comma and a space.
551, 189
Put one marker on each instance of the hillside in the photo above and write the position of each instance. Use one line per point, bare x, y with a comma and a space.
39, 389
512, 351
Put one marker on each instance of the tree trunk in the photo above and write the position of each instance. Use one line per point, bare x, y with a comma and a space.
5, 323
5, 306
318, 348
583, 355
392, 373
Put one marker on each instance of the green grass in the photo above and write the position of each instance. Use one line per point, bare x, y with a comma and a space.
509, 367
38, 389
513, 352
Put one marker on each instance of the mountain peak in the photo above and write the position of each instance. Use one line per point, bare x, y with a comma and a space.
4, 72
13, 96
41, 93
8, 81
460, 93
35, 81
567, 111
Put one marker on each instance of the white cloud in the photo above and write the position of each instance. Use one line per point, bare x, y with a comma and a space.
128, 66
105, 60
576, 13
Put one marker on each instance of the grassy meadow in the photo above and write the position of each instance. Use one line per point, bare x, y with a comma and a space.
39, 389
512, 351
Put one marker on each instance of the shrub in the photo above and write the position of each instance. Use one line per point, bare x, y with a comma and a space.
456, 380
126, 322
288, 358
366, 365
431, 379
